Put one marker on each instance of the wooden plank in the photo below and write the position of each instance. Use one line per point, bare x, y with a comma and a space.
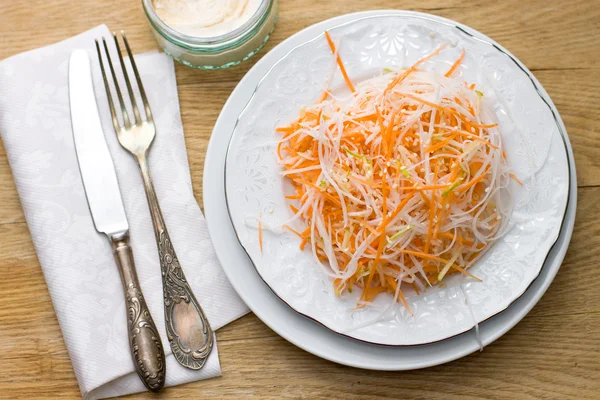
530, 362
541, 36
544, 34
574, 92
553, 351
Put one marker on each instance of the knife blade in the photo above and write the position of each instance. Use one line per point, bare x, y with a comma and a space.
95, 163
106, 207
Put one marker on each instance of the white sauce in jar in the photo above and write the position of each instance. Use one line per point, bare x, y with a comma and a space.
205, 18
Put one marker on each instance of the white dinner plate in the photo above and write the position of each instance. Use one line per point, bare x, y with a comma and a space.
532, 140
306, 333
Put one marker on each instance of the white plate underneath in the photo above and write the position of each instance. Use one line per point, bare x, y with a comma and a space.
302, 331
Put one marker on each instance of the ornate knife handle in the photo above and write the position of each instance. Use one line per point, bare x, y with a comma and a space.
188, 330
144, 340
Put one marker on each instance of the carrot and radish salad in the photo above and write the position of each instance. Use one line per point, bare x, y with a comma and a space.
399, 184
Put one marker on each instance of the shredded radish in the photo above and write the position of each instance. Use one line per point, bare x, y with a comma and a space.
402, 181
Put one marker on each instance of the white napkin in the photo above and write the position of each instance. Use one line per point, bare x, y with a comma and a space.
77, 262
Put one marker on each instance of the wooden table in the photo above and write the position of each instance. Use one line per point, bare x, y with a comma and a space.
553, 353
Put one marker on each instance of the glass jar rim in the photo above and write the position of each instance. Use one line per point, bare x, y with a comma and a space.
208, 41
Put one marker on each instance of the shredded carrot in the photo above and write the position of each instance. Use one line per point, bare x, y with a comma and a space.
475, 137
323, 96
303, 243
413, 68
387, 179
340, 63
260, 233
289, 228
440, 144
456, 64
423, 255
472, 182
516, 179
432, 187
285, 129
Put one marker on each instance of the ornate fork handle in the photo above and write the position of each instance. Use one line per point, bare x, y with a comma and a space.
188, 330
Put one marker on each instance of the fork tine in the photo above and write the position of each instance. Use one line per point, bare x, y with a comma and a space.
126, 122
138, 79
108, 95
136, 112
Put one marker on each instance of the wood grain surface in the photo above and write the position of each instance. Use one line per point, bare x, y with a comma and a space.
554, 353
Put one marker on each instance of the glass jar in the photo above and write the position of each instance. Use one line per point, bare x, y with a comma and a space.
219, 51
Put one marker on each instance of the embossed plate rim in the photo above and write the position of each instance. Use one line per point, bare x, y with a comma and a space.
463, 31
472, 35
303, 332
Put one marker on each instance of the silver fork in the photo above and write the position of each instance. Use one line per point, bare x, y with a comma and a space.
188, 330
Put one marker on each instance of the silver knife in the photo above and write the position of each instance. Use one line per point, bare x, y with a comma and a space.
106, 206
